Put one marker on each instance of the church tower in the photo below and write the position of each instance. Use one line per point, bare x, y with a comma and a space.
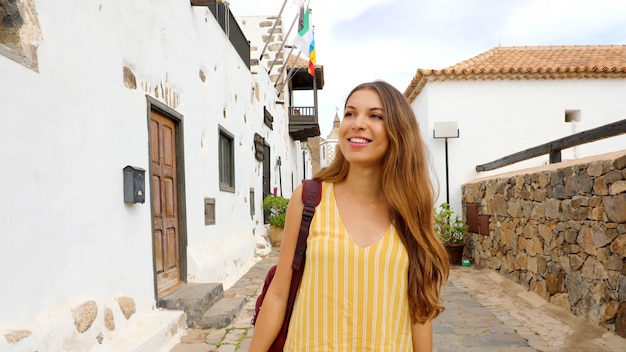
329, 145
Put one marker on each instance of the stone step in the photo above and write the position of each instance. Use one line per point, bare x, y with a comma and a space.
222, 313
194, 299
158, 330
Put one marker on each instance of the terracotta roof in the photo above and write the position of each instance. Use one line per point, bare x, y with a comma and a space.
530, 62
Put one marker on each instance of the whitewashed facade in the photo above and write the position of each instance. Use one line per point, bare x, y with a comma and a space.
75, 110
504, 115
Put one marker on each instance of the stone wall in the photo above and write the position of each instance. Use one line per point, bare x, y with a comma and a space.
560, 231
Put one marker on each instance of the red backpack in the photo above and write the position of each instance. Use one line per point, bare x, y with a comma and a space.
311, 196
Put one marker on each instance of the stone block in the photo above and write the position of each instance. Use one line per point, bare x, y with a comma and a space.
576, 262
494, 263
585, 185
571, 186
521, 261
610, 313
84, 315
127, 306
109, 320
551, 283
521, 244
615, 262
562, 300
613, 176
532, 265
613, 281
618, 246
617, 187
499, 205
559, 192
543, 179
598, 214
542, 264
540, 195
620, 163
602, 236
600, 187
545, 232
570, 235
592, 269
595, 168
537, 245
577, 286
529, 231
621, 288
552, 208
15, 336
565, 264
585, 240
620, 320
533, 247
514, 208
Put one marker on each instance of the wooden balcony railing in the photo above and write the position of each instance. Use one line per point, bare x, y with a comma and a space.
303, 122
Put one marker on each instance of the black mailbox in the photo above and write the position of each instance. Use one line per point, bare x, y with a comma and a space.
134, 184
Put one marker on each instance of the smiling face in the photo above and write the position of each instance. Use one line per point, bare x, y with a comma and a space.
362, 135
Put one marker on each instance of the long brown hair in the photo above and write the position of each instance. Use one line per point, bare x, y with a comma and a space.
410, 195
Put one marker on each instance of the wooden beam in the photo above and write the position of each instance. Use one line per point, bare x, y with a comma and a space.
554, 148
202, 2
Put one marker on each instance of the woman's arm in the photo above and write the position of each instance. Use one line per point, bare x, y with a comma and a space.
272, 312
423, 337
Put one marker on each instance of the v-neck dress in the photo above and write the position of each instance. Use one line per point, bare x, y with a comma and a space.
350, 298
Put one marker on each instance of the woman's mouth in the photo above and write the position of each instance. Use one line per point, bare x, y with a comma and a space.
358, 140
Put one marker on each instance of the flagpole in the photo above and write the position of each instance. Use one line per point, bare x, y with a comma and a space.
278, 18
283, 44
282, 68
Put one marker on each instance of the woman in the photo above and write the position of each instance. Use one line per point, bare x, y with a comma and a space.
374, 267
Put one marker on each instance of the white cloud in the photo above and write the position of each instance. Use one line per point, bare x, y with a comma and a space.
556, 21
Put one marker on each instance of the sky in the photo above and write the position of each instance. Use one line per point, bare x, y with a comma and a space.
364, 40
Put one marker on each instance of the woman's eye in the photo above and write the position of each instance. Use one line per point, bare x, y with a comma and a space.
348, 114
376, 116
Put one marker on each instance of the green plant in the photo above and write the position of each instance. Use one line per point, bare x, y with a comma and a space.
449, 227
276, 206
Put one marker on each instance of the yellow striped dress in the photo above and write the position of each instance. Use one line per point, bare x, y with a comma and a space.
350, 298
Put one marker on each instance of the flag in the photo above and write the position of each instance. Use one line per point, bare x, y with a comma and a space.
299, 3
312, 57
304, 40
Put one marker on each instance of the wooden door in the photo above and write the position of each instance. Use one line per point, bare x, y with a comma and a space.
165, 208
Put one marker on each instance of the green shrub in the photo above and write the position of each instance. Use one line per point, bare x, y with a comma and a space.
276, 206
448, 226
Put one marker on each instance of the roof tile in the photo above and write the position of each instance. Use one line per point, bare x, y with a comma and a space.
531, 62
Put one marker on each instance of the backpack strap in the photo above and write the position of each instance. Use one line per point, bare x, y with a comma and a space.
311, 197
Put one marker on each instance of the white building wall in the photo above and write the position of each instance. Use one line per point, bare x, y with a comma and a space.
68, 130
498, 118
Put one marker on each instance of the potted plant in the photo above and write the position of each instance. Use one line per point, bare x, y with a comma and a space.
451, 229
276, 206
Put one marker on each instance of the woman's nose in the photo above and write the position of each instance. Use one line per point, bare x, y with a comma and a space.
359, 123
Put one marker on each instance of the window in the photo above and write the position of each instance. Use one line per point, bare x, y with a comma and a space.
227, 161
252, 208
573, 116
268, 119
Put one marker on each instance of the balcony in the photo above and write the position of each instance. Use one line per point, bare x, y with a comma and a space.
303, 123
303, 120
